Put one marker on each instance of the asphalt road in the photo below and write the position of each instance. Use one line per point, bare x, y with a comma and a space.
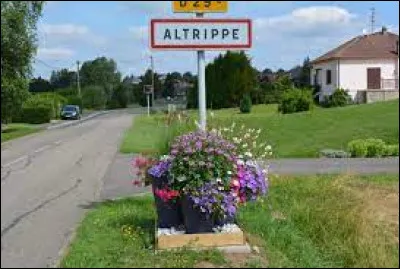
48, 181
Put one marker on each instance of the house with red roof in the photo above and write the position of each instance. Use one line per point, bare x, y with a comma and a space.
367, 66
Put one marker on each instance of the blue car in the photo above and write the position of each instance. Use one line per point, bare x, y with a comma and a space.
70, 112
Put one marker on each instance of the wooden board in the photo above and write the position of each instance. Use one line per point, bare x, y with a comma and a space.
200, 240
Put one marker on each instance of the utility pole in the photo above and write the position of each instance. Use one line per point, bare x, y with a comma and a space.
152, 79
78, 83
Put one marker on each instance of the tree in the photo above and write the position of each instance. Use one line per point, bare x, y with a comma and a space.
39, 85
170, 83
100, 72
304, 79
63, 79
228, 78
188, 77
18, 47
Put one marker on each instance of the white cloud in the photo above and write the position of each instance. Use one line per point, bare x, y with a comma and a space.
311, 21
54, 53
64, 29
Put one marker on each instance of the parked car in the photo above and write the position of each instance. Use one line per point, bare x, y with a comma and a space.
70, 112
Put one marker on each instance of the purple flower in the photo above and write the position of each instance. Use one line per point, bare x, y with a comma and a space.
159, 169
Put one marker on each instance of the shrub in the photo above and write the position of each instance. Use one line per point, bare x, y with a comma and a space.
295, 100
391, 150
357, 148
370, 147
51, 100
245, 104
36, 114
340, 97
375, 147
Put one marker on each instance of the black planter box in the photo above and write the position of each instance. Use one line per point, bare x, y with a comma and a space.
169, 214
195, 222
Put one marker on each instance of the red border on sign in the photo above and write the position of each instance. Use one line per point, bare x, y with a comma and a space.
241, 46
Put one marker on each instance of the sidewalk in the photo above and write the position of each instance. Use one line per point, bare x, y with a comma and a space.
117, 182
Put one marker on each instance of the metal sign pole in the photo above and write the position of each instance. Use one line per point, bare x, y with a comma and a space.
148, 104
201, 78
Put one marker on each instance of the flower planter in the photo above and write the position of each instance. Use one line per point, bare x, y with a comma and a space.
195, 222
226, 220
169, 213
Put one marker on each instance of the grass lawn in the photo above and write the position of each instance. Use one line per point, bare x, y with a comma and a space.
317, 221
291, 135
15, 130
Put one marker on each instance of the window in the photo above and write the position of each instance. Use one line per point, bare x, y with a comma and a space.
328, 77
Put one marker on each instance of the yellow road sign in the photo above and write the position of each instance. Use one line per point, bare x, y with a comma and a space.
200, 6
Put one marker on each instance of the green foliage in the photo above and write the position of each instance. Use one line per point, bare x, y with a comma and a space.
63, 79
391, 150
52, 101
370, 147
295, 100
228, 78
119, 99
245, 104
93, 97
13, 93
36, 114
18, 46
39, 85
340, 97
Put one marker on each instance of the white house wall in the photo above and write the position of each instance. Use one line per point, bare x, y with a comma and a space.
353, 73
331, 65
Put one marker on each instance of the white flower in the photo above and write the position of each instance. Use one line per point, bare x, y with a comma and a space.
244, 145
268, 147
226, 129
235, 140
240, 162
233, 125
258, 131
229, 172
220, 188
265, 171
240, 156
181, 178
270, 153
219, 180
248, 154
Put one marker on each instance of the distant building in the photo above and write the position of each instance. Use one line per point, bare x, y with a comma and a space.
367, 66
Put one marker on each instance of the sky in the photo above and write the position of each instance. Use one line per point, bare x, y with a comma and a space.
284, 32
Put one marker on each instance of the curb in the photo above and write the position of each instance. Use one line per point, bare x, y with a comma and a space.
71, 123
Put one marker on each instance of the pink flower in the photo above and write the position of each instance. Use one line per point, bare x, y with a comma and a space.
136, 182
235, 183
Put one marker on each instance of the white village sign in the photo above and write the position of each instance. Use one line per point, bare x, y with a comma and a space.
201, 34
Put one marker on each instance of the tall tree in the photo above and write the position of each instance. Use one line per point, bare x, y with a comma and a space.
100, 72
228, 78
305, 73
39, 85
63, 79
18, 47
